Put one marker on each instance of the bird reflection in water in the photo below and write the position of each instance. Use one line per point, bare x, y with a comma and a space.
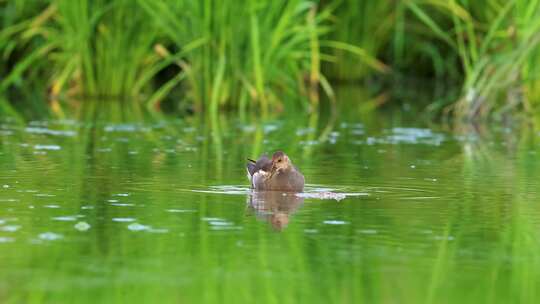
274, 206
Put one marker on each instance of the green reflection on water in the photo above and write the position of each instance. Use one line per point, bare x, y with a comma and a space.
447, 217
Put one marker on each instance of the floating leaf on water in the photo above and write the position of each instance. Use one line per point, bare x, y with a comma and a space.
82, 226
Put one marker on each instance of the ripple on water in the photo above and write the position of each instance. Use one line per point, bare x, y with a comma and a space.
52, 206
367, 231
181, 210
208, 219
121, 194
158, 230
50, 236
122, 204
82, 226
47, 147
141, 227
9, 200
415, 136
335, 222
5, 239
443, 238
38, 130
311, 191
123, 219
44, 195
122, 128
137, 227
220, 224
10, 228
225, 189
69, 218
225, 227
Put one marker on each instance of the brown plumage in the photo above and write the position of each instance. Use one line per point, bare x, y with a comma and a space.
277, 174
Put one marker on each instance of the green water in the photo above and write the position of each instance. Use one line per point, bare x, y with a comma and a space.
103, 208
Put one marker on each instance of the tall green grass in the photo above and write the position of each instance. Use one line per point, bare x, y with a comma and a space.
368, 25
252, 53
86, 49
270, 55
496, 43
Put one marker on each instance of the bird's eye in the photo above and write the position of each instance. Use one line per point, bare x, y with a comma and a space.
279, 160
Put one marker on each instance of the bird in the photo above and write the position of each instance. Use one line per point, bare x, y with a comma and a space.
275, 174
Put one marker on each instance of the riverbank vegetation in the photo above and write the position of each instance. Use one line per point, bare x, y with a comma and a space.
262, 56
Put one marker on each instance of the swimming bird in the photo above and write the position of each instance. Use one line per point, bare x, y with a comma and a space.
277, 174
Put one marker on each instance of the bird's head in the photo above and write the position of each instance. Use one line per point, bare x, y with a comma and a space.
280, 162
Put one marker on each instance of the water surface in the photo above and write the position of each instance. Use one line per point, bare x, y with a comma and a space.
127, 210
